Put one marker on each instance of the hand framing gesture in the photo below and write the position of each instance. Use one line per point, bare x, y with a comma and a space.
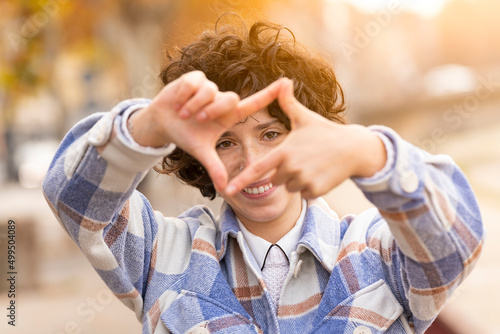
317, 154
192, 113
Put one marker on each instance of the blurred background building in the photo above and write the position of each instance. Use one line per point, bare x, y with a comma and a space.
429, 69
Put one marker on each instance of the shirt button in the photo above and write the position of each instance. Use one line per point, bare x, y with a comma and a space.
362, 330
297, 268
199, 330
409, 181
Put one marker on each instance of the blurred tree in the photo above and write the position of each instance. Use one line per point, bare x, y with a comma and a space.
20, 68
121, 36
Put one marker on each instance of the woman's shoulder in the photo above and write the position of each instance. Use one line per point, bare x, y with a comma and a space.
191, 220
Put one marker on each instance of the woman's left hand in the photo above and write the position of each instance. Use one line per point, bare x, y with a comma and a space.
317, 154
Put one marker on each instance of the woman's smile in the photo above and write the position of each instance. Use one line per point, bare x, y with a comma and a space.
258, 188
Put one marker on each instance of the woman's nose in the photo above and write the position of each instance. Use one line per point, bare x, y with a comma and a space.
250, 155
245, 162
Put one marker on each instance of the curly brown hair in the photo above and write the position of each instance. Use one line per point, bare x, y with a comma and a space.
246, 61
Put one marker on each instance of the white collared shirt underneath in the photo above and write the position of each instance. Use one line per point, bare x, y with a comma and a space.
287, 243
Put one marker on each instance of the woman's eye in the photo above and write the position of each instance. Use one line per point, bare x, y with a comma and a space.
271, 135
224, 144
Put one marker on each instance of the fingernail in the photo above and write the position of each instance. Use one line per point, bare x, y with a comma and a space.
184, 113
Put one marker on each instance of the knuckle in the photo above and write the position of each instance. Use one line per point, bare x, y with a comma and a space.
232, 96
189, 85
212, 86
200, 74
315, 190
186, 86
229, 99
209, 90
196, 75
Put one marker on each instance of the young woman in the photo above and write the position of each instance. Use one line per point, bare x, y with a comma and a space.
277, 259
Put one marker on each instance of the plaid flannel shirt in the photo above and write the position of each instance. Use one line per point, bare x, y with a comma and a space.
389, 269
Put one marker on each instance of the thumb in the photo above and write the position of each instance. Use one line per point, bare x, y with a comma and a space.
215, 168
289, 104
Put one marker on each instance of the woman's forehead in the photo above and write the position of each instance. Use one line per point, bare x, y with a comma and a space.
261, 116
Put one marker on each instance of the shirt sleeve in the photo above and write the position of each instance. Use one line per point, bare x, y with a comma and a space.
90, 187
434, 219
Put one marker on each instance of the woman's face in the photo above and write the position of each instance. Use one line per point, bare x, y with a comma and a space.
244, 143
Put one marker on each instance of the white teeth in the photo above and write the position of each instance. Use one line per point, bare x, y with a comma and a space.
259, 190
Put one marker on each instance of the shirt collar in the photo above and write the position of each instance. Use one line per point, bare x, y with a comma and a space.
288, 242
321, 232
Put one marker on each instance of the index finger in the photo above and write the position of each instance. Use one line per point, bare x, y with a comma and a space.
214, 167
254, 172
260, 100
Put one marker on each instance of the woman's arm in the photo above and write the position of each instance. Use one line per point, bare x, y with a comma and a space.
426, 200
90, 188
90, 185
435, 220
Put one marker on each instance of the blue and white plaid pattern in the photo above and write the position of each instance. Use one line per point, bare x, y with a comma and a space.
390, 270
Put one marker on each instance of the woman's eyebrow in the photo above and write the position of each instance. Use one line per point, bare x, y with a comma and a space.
227, 134
257, 127
266, 125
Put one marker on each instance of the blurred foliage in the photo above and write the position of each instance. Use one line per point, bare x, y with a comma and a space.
36, 32
61, 59
100, 34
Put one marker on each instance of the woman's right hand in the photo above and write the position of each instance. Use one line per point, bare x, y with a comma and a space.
176, 116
